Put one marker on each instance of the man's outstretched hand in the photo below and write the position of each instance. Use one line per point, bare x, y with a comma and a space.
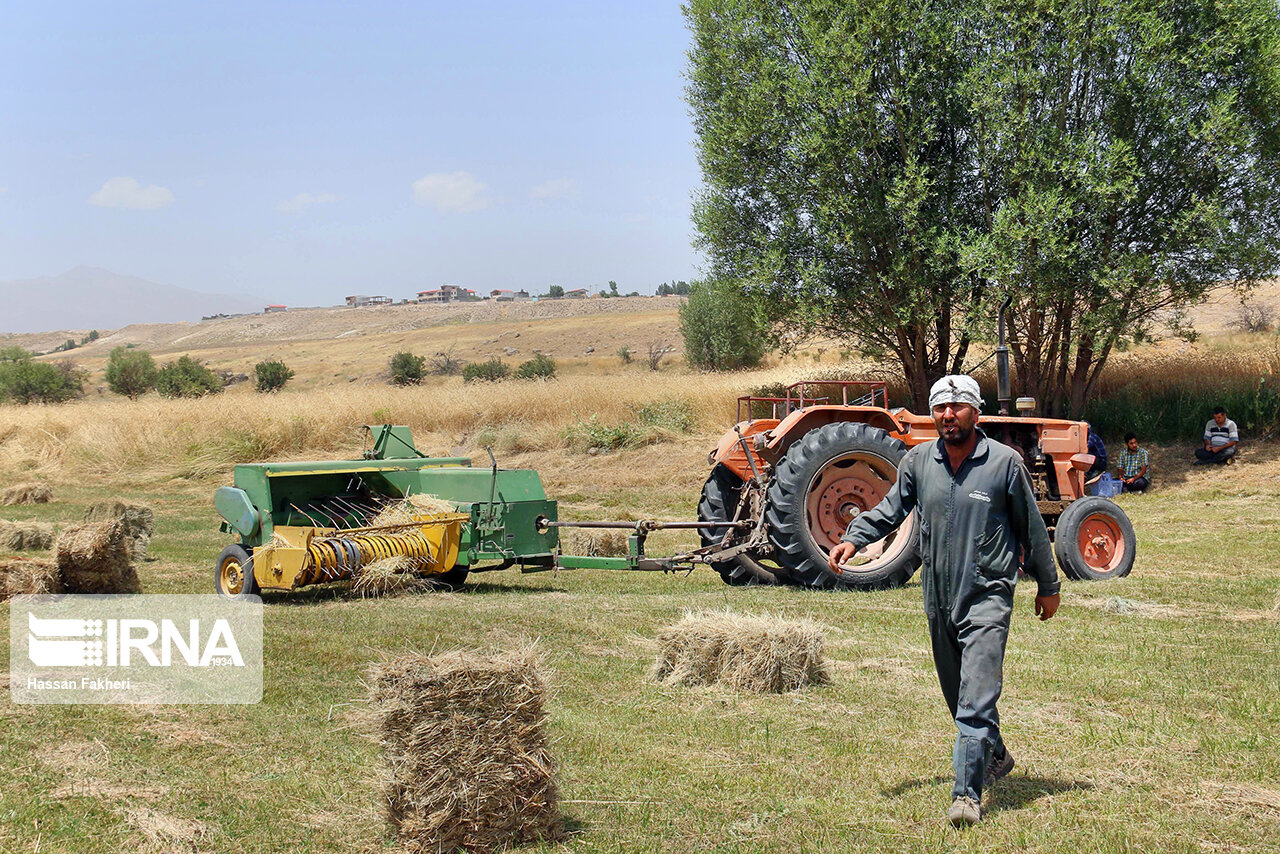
842, 553
1047, 606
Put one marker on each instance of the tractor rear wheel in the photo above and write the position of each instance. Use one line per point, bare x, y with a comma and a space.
825, 480
233, 573
1094, 540
720, 496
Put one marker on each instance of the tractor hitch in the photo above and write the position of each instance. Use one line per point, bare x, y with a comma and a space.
636, 559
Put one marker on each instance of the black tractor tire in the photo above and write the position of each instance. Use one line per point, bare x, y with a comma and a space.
1094, 540
230, 582
719, 502
817, 458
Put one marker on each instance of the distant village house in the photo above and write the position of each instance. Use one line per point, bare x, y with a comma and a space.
576, 293
446, 293
360, 300
269, 309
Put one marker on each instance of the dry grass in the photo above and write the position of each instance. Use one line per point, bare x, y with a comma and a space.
94, 558
744, 652
27, 493
24, 576
463, 736
387, 577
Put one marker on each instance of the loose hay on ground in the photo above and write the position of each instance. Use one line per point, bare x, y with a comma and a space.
27, 493
745, 652
466, 751
26, 536
139, 523
94, 558
24, 576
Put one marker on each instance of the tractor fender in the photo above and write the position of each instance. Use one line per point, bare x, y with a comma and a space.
768, 439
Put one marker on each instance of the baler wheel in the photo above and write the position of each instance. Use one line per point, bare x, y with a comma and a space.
825, 480
233, 573
720, 496
1094, 540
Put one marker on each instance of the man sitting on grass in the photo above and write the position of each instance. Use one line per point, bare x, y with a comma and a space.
1220, 439
1132, 465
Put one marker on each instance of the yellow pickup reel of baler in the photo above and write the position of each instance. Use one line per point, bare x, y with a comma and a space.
297, 556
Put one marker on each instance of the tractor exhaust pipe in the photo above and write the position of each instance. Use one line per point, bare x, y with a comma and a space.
1003, 393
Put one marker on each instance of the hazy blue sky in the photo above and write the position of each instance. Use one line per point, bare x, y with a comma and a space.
305, 151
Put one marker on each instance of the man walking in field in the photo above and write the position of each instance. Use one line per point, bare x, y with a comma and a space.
977, 514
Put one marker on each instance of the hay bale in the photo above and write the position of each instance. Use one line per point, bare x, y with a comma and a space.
94, 558
25, 576
387, 577
466, 751
139, 523
27, 493
745, 652
26, 536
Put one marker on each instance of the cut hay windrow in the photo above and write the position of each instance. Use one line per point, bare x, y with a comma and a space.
94, 558
26, 536
467, 764
139, 523
387, 577
744, 652
27, 493
25, 576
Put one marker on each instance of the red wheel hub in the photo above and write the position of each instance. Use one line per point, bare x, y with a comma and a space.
842, 489
1101, 542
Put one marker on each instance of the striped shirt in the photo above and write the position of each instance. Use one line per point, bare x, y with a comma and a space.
1132, 462
1218, 436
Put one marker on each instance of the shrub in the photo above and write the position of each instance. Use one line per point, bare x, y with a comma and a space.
25, 381
674, 415
723, 328
446, 364
491, 371
130, 372
187, 378
272, 375
407, 369
540, 367
588, 435
624, 354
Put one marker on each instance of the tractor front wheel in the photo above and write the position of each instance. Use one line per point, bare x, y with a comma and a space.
1094, 540
233, 573
825, 480
720, 496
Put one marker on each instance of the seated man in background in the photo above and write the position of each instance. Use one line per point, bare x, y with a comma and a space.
1099, 451
1220, 439
1133, 465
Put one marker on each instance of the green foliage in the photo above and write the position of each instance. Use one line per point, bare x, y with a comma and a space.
25, 381
493, 370
680, 288
723, 328
407, 369
888, 173
187, 378
624, 355
92, 336
130, 372
272, 375
555, 291
69, 344
540, 367
14, 354
613, 288
674, 415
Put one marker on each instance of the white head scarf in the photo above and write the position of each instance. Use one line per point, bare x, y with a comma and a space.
956, 388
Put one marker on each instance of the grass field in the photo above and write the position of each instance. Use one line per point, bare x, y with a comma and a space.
1157, 729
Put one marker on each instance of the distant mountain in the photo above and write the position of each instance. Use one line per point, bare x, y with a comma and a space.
90, 298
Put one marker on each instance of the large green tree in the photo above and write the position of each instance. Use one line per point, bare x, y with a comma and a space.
887, 172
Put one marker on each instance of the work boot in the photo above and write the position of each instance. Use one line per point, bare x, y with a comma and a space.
998, 767
964, 812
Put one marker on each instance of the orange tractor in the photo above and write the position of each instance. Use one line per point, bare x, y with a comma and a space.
795, 470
